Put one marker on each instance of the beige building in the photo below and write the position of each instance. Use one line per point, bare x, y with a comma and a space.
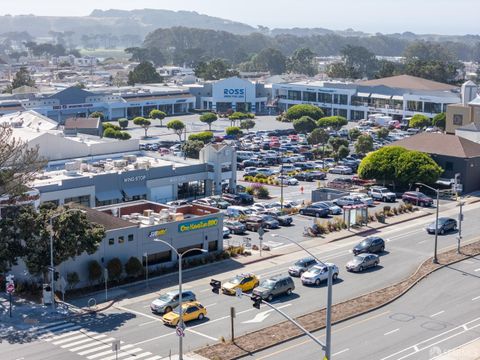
464, 113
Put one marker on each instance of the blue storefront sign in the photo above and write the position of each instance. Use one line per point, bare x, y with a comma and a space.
197, 225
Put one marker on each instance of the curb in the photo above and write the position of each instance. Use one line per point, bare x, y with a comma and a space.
398, 296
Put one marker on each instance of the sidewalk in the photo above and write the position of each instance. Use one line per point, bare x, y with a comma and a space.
469, 351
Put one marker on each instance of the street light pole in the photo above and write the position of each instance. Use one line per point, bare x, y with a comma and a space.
328, 320
180, 299
435, 258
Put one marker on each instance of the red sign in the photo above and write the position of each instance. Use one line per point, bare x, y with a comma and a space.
10, 288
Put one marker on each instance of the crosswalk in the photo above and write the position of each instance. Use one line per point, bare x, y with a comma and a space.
89, 344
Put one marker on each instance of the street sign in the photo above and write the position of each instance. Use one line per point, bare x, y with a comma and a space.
51, 268
116, 345
10, 288
180, 331
261, 231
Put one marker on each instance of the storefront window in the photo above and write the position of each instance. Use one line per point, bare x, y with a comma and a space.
414, 106
433, 108
212, 246
158, 258
82, 200
294, 95
325, 98
340, 99
192, 189
309, 96
358, 115
107, 202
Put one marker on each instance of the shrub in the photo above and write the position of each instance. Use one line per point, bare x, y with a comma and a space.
133, 267
110, 133
97, 114
261, 176
111, 126
297, 111
249, 190
72, 279
204, 136
114, 267
233, 130
247, 124
123, 123
386, 209
395, 211
263, 193
94, 271
409, 207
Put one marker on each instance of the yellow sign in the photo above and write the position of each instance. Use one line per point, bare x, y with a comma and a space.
158, 232
197, 225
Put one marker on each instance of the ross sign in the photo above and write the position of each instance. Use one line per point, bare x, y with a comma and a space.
197, 225
135, 178
158, 232
180, 331
234, 93
10, 288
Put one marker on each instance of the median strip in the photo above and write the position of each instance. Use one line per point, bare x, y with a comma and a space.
285, 331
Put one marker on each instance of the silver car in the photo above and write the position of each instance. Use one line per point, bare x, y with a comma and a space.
362, 262
169, 301
318, 273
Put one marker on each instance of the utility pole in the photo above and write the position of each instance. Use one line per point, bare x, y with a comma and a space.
232, 322
328, 325
460, 219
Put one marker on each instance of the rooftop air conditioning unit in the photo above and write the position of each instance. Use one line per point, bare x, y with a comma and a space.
119, 163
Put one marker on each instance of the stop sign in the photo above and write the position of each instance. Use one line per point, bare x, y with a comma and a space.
10, 288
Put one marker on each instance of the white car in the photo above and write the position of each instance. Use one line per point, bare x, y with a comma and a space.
342, 170
286, 180
364, 198
226, 232
259, 207
318, 273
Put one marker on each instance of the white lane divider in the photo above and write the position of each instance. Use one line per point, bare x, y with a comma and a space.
438, 313
391, 332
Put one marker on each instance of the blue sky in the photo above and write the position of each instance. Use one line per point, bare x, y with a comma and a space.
386, 16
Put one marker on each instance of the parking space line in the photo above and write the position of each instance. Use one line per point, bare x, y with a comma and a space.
476, 298
476, 270
391, 332
340, 352
438, 313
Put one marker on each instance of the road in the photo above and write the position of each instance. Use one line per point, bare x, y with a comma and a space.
439, 314
143, 332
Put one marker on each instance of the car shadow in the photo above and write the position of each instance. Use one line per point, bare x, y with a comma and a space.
285, 298
325, 283
370, 270
383, 253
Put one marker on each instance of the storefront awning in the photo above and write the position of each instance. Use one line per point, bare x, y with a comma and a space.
381, 96
108, 195
135, 191
397, 97
361, 94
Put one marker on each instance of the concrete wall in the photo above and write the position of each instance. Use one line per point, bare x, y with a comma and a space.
462, 115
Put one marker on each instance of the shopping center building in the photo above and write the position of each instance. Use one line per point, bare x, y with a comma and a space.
397, 96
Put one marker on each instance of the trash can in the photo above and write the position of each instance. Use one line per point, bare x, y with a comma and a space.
47, 294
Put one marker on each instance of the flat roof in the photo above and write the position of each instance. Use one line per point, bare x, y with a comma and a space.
408, 82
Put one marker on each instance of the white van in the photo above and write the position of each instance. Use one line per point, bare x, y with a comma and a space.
235, 211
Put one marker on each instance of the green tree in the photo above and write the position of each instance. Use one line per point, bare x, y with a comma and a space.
364, 144
95, 271
302, 61
332, 122
336, 142
439, 120
192, 148
157, 115
247, 124
22, 78
133, 267
215, 69
144, 73
419, 121
177, 126
338, 70
297, 111
386, 68
72, 279
271, 60
114, 267
237, 116
343, 152
97, 114
110, 133
304, 125
414, 166
204, 136
382, 133
318, 136
123, 123
354, 133
208, 118
233, 130
144, 123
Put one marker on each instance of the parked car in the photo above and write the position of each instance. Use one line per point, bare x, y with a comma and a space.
245, 198
348, 201
177, 203
236, 211
302, 265
364, 198
235, 227
232, 199
190, 311
315, 209
372, 244
417, 198
332, 208
226, 232
259, 206
342, 170
252, 223
275, 286
219, 202
170, 300
311, 176
382, 194
444, 224
205, 201
362, 262
283, 220
269, 222
286, 180
318, 273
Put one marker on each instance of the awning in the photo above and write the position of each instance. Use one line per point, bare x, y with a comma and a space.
397, 97
381, 96
135, 191
108, 195
360, 94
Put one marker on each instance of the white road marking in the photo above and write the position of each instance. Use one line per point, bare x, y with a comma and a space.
202, 291
122, 353
109, 352
438, 313
104, 346
155, 338
262, 316
156, 357
201, 334
93, 343
138, 313
210, 305
477, 270
391, 332
148, 322
72, 341
421, 242
476, 298
340, 352
456, 348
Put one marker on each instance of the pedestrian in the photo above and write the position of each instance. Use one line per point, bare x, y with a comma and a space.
301, 189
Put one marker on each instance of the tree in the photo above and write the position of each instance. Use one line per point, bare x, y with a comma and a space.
302, 61
414, 166
304, 125
237, 116
343, 152
19, 163
157, 115
357, 62
22, 78
332, 122
144, 73
364, 144
97, 114
271, 60
192, 148
114, 268
318, 136
110, 133
383, 133
215, 69
336, 142
247, 124
387, 68
204, 136
177, 126
133, 267
72, 279
233, 131
439, 120
141, 121
123, 123
95, 271
297, 111
419, 121
354, 133
208, 118
73, 234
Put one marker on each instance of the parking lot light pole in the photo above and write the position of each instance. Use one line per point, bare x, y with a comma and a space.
180, 313
435, 258
52, 268
328, 321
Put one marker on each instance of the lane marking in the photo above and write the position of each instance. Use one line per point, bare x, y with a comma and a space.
391, 332
122, 353
476, 298
201, 334
147, 323
95, 343
109, 352
477, 270
210, 305
138, 313
106, 346
456, 348
423, 241
438, 313
340, 352
86, 339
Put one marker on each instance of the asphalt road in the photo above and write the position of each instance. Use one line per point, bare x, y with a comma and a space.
439, 314
145, 336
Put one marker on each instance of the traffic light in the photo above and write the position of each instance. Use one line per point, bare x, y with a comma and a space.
216, 285
257, 300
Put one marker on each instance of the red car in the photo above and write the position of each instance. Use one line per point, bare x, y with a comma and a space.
417, 198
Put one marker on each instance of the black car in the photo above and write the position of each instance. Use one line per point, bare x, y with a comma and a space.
371, 244
310, 176
283, 220
315, 210
444, 225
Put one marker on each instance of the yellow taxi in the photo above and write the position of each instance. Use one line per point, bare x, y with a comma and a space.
245, 282
192, 310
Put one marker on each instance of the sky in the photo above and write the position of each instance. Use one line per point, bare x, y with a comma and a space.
457, 17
